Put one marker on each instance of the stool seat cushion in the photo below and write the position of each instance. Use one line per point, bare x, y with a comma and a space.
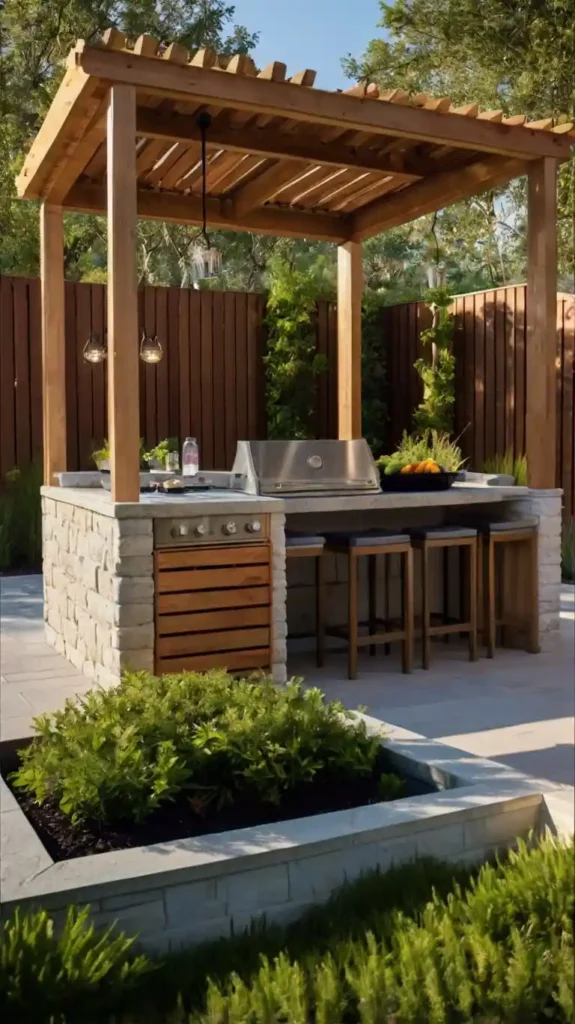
301, 539
510, 525
442, 532
365, 539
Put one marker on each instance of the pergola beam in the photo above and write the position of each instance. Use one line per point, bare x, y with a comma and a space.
280, 99
181, 209
541, 340
433, 194
53, 341
273, 146
123, 361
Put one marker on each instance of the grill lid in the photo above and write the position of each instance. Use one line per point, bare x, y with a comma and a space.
307, 467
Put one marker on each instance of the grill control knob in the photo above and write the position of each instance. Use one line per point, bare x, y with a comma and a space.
179, 531
200, 530
229, 528
254, 527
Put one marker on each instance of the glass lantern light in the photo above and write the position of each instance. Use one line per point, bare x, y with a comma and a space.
206, 258
95, 349
151, 350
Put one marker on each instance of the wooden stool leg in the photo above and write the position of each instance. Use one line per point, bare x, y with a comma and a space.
533, 635
407, 575
386, 612
490, 599
352, 615
320, 610
473, 601
372, 596
425, 639
480, 588
445, 591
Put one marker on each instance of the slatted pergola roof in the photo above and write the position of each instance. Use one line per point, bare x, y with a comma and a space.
284, 157
122, 138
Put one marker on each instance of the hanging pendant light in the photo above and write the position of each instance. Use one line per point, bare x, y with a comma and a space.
151, 350
206, 258
95, 349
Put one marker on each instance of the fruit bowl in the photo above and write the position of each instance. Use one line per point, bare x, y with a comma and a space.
409, 482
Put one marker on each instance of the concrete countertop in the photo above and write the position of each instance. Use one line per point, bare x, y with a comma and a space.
459, 494
160, 506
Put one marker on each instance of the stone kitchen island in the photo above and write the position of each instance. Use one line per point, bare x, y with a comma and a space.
103, 583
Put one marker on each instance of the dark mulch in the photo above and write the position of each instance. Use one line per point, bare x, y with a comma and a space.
178, 820
22, 570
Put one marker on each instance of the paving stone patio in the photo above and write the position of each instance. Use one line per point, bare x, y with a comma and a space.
518, 709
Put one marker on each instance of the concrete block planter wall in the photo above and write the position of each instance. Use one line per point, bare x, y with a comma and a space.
182, 892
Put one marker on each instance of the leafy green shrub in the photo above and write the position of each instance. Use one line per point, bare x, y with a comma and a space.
500, 950
508, 464
119, 754
568, 550
21, 518
438, 374
66, 976
431, 444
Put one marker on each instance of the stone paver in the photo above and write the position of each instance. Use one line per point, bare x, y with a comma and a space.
519, 708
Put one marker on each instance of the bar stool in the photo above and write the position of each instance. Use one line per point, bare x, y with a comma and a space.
519, 584
310, 545
426, 539
372, 544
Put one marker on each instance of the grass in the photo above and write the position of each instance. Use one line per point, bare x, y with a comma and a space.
21, 519
568, 551
425, 943
508, 464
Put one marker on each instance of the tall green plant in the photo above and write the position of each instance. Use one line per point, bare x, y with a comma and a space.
438, 372
373, 372
292, 363
21, 518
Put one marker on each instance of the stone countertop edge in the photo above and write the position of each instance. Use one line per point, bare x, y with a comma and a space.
480, 784
459, 494
92, 500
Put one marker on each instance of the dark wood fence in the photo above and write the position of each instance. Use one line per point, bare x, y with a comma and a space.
211, 382
489, 346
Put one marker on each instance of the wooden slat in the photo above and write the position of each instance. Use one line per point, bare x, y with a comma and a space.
72, 385
520, 369
84, 375
161, 368
479, 380
349, 292
53, 341
35, 314
195, 558
233, 661
316, 106
98, 372
541, 307
206, 600
7, 372
123, 362
229, 300
490, 383
184, 347
212, 622
150, 432
213, 579
172, 359
509, 354
197, 397
253, 364
219, 399
499, 372
206, 378
242, 342
198, 643
568, 404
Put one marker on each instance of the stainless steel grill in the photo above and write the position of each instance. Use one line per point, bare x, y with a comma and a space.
290, 468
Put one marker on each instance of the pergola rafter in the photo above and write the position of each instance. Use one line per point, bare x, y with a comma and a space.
284, 158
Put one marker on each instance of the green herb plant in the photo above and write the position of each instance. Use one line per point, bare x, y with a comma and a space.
49, 975
121, 753
508, 464
162, 450
21, 518
438, 372
431, 444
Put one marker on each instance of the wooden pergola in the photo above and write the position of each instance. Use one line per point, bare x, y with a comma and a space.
122, 138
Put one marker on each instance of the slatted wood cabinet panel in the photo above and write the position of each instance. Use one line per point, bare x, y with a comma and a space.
213, 608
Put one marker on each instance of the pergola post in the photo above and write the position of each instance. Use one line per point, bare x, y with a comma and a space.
349, 293
123, 387
541, 344
53, 341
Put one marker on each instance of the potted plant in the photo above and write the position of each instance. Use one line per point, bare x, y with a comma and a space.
155, 459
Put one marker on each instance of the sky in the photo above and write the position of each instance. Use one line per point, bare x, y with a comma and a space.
310, 33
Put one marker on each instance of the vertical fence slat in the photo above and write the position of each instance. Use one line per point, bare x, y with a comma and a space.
160, 370
499, 343
218, 381
98, 371
72, 345
35, 368
150, 432
252, 364
7, 404
229, 396
83, 377
21, 373
184, 347
173, 356
207, 432
479, 379
510, 321
520, 294
195, 375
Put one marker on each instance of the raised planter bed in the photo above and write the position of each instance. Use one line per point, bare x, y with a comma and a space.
187, 890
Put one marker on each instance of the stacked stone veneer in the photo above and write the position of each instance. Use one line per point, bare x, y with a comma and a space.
99, 590
546, 505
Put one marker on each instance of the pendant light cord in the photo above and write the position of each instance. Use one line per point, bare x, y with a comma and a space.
204, 121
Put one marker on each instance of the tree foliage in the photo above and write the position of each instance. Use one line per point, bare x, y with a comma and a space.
435, 411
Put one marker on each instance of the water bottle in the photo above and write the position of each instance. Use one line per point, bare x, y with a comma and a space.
190, 457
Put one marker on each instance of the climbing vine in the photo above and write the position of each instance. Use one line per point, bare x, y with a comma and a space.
437, 372
292, 363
